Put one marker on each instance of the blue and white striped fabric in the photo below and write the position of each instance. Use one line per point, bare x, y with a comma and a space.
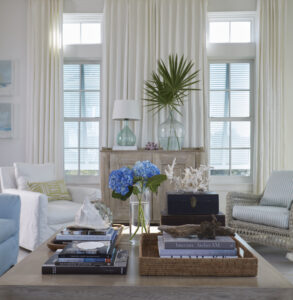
279, 190
264, 215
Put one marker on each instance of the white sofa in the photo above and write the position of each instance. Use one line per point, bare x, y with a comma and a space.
39, 219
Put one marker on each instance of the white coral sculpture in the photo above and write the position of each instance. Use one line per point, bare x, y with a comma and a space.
191, 180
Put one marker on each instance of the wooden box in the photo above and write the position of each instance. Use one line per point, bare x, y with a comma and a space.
192, 203
151, 264
175, 220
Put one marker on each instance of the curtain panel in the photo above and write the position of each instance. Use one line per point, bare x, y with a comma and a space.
44, 83
269, 127
136, 34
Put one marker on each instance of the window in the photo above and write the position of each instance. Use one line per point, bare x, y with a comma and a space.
230, 93
81, 29
230, 28
81, 118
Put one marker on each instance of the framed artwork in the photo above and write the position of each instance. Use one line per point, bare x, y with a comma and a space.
6, 120
6, 77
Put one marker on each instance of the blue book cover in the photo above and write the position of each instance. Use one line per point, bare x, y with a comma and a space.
221, 242
193, 252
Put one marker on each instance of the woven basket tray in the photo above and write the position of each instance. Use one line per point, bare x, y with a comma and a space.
151, 264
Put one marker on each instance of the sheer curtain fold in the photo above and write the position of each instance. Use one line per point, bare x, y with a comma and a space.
269, 138
137, 34
44, 83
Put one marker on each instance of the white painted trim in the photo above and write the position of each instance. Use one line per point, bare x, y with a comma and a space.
84, 52
82, 180
82, 18
231, 50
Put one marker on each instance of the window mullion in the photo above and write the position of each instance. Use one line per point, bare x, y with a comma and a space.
79, 123
230, 123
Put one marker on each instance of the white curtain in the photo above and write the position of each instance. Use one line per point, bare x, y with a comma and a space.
44, 83
269, 154
136, 34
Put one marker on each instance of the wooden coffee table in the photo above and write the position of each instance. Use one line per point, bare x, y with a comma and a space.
25, 281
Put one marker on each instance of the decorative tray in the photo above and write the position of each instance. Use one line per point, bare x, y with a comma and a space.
52, 245
151, 264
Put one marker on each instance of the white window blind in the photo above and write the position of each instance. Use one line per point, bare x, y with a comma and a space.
230, 94
81, 118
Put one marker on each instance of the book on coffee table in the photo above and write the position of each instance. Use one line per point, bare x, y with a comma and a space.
119, 266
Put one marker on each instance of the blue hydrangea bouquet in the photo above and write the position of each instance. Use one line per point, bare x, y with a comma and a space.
125, 182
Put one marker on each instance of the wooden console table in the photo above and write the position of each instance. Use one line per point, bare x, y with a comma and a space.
111, 160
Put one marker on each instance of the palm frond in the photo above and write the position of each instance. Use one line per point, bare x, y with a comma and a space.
171, 84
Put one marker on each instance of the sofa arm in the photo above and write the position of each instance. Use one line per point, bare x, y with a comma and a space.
79, 193
9, 207
244, 199
33, 217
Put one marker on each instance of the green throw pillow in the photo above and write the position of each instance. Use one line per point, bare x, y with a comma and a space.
55, 190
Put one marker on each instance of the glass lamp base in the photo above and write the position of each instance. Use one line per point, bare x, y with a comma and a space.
126, 137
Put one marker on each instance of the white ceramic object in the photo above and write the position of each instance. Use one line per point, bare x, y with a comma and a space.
89, 217
90, 245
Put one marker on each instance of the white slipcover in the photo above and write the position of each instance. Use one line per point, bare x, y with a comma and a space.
38, 218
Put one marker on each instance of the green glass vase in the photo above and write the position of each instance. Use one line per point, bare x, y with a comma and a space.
126, 137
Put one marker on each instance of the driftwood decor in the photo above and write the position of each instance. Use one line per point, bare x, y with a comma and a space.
206, 230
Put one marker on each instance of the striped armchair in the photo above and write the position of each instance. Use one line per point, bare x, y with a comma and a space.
268, 218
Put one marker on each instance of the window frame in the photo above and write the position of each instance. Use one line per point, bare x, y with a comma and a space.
83, 179
225, 179
240, 16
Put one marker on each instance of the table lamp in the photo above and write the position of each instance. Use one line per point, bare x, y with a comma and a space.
126, 110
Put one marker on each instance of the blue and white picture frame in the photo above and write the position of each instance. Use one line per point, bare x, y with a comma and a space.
6, 120
6, 77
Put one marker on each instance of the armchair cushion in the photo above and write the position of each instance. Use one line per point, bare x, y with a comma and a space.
279, 190
62, 211
8, 228
79, 193
265, 215
25, 172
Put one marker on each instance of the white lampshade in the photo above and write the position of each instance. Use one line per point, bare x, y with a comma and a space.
126, 109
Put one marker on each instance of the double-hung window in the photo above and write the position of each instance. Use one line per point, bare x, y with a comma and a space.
230, 117
81, 118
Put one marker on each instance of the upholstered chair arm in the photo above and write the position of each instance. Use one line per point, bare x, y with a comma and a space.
235, 198
10, 207
79, 193
33, 217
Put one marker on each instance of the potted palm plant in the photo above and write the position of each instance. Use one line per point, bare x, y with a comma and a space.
167, 89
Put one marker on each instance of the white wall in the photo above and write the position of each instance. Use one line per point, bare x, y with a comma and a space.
13, 46
83, 6
232, 5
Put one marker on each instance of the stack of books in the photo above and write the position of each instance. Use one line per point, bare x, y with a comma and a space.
221, 247
87, 252
68, 235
